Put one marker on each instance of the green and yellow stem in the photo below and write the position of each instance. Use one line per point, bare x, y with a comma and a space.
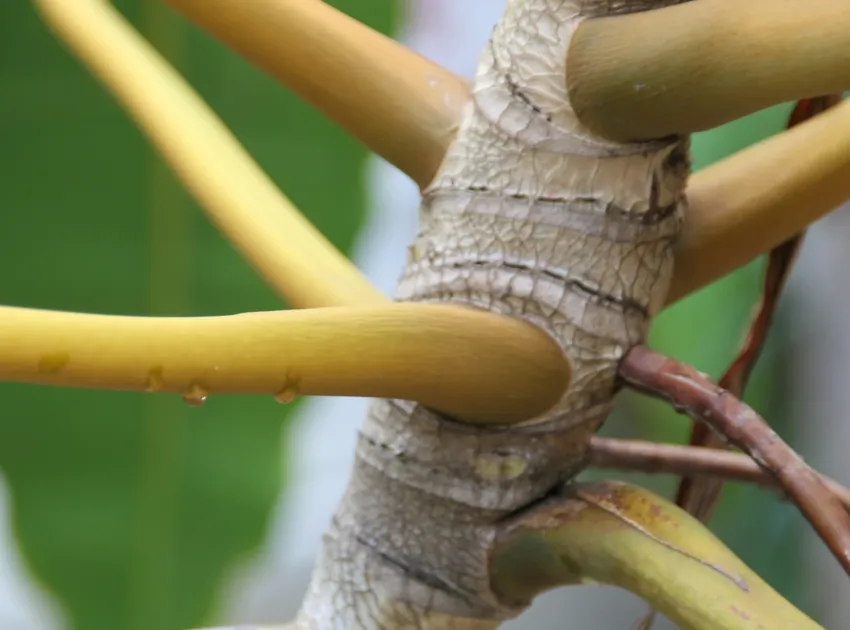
471, 364
621, 535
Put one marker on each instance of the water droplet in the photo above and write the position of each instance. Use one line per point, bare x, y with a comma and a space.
196, 396
155, 381
52, 363
286, 394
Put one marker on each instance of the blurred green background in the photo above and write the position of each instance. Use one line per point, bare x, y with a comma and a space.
131, 509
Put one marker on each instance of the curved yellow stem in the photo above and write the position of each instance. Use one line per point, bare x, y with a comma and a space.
625, 536
399, 104
467, 363
245, 204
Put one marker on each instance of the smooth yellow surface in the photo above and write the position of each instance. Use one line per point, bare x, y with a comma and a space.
749, 203
471, 364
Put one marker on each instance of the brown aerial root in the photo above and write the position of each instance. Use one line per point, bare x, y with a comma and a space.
697, 396
699, 496
680, 459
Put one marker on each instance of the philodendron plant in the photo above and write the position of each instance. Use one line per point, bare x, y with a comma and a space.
558, 217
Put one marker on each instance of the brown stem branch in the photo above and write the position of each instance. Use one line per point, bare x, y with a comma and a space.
694, 394
679, 459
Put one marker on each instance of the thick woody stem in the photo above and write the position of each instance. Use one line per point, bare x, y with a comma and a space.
678, 459
739, 208
697, 396
397, 102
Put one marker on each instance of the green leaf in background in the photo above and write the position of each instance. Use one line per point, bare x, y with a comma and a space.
131, 508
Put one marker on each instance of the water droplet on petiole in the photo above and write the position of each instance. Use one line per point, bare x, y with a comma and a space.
53, 363
286, 394
195, 396
155, 381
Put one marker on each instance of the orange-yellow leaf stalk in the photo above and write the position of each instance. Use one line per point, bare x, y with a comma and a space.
471, 364
740, 207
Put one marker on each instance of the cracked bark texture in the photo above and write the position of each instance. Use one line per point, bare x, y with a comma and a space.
533, 216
